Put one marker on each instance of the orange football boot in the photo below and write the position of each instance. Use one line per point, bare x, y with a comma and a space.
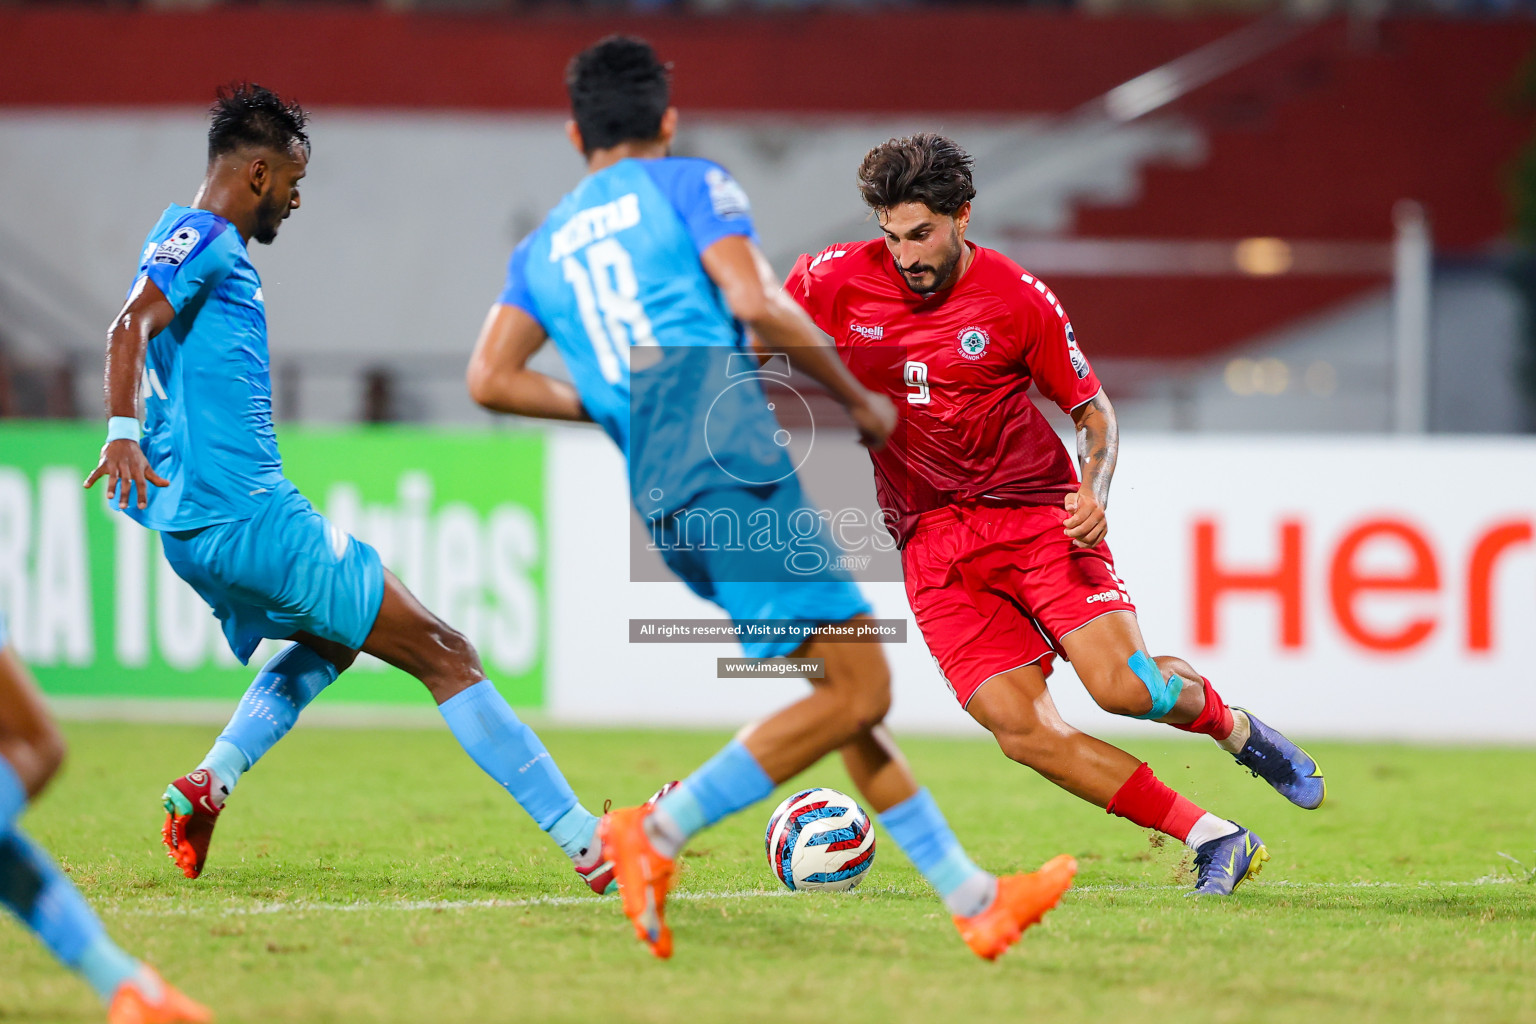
1022, 900
644, 876
162, 1004
598, 874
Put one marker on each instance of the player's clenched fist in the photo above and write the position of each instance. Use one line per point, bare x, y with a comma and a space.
876, 418
123, 463
1085, 523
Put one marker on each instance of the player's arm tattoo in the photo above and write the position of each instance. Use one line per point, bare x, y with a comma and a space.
1098, 444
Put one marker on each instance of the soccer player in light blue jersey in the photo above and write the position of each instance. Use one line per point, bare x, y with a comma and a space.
646, 276
34, 889
194, 331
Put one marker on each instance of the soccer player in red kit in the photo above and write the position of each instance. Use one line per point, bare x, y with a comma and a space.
1002, 542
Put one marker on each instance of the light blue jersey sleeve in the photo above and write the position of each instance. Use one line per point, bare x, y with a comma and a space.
3, 637
709, 201
196, 256
516, 291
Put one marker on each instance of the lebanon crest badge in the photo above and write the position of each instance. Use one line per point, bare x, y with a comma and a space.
973, 342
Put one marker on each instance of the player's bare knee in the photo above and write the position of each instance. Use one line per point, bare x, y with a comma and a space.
1018, 746
1032, 743
35, 759
866, 704
1122, 692
862, 683
875, 705
463, 653
449, 662
51, 752
1176, 666
868, 698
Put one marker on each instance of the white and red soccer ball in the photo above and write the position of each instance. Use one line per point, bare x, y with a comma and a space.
820, 839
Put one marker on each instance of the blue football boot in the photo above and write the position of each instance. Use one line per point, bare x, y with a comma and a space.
1222, 864
1282, 764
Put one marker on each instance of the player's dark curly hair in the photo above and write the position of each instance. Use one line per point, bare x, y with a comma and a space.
924, 168
619, 91
246, 114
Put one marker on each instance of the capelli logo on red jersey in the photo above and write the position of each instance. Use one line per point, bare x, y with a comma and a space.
873, 333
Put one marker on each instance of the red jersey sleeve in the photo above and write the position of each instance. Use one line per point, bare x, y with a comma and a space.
1051, 353
798, 283
810, 284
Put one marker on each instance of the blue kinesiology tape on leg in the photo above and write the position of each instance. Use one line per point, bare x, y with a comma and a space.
1164, 692
723, 785
270, 708
509, 752
13, 795
34, 889
918, 827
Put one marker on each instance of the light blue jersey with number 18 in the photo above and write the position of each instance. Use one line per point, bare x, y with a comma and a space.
614, 276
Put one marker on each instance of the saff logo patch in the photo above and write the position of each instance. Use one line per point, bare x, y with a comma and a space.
1079, 361
728, 198
973, 342
177, 248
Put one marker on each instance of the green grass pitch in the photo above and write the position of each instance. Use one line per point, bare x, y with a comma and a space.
376, 875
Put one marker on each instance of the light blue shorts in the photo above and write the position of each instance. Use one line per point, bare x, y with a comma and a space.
283, 571
798, 582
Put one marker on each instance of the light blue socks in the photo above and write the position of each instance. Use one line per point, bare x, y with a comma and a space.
918, 827
723, 785
511, 753
573, 832
268, 711
227, 762
13, 796
36, 891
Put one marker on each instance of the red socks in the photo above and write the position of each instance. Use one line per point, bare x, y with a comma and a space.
1214, 720
1151, 804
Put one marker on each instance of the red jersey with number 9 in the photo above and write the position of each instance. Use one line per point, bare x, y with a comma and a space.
958, 365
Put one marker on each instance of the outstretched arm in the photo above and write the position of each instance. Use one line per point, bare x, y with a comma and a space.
1098, 446
753, 294
498, 375
146, 313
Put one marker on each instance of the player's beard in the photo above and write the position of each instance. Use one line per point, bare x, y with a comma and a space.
269, 217
941, 272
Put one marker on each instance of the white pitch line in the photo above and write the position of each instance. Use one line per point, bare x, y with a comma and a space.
302, 906
418, 906
1283, 884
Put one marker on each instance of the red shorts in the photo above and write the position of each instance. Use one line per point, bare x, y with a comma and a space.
996, 588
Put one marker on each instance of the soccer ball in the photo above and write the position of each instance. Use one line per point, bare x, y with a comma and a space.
820, 839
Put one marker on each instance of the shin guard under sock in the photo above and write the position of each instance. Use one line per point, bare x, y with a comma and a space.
269, 710
510, 752
723, 785
1214, 720
1150, 804
918, 827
